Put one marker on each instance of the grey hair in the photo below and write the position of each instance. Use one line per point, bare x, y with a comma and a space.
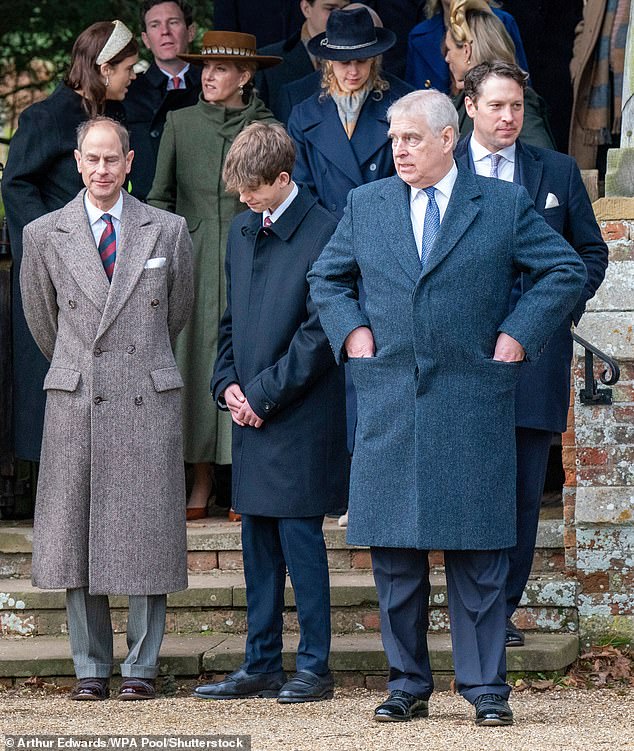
435, 108
83, 128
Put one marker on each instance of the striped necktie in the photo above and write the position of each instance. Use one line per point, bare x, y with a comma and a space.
108, 246
495, 164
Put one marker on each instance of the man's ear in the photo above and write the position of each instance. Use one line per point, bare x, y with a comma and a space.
191, 32
128, 161
470, 106
144, 37
77, 155
283, 179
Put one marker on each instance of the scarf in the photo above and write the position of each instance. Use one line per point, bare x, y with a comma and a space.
349, 106
228, 122
602, 116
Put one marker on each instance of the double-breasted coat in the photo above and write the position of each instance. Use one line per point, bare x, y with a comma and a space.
188, 181
272, 344
40, 176
435, 435
110, 508
330, 163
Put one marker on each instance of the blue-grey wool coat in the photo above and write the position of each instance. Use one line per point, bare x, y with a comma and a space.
434, 461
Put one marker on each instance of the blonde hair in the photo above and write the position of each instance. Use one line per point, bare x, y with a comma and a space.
258, 155
376, 82
473, 21
435, 6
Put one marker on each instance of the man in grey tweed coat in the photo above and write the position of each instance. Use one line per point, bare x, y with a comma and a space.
107, 285
435, 355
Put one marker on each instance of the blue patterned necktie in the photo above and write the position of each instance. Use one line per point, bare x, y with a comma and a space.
431, 226
108, 246
495, 164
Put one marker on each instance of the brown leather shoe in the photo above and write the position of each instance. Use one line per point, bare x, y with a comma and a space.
137, 689
91, 689
196, 512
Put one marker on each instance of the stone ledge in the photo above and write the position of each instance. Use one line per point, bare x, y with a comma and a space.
613, 208
601, 505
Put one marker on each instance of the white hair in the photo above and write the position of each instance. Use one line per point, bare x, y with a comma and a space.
435, 108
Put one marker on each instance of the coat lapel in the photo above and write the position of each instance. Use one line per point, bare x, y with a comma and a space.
396, 225
461, 211
75, 244
336, 150
370, 133
531, 170
135, 245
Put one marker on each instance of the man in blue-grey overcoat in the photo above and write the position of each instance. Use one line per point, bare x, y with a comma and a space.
435, 357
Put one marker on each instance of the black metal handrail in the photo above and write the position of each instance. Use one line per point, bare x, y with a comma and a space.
590, 394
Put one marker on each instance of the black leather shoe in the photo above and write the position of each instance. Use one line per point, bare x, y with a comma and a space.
91, 689
401, 707
514, 637
307, 686
243, 685
492, 710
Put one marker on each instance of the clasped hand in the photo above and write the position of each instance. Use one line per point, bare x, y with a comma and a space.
241, 411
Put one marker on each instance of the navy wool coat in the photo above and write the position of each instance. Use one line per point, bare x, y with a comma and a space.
328, 162
271, 343
543, 390
435, 435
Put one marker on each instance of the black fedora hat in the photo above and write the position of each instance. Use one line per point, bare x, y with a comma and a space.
351, 35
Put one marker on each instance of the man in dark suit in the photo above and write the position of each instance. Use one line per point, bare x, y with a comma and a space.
297, 62
494, 100
168, 84
435, 355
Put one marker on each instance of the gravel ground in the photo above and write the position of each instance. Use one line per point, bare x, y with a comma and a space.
559, 719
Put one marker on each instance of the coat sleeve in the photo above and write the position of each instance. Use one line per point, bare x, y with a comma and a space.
333, 284
583, 233
557, 273
307, 358
181, 283
39, 297
224, 368
164, 190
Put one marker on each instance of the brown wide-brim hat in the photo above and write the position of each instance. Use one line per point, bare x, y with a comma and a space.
233, 46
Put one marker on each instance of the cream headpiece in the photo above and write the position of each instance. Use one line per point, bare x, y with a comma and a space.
119, 38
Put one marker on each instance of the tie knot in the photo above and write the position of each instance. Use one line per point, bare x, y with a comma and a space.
176, 82
107, 218
430, 193
267, 221
495, 163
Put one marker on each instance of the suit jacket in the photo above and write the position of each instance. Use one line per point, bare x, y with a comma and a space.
435, 435
543, 391
426, 66
113, 413
270, 81
146, 105
330, 163
271, 343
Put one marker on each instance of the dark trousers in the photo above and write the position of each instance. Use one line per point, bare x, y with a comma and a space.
533, 447
475, 587
271, 545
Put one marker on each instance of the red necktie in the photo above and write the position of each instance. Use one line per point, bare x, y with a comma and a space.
108, 246
267, 221
176, 82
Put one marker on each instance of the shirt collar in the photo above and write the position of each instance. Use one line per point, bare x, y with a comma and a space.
479, 152
282, 207
444, 185
95, 214
180, 74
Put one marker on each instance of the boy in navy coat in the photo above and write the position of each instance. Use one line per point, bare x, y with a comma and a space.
276, 374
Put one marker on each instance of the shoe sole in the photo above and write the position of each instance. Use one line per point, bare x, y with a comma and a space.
494, 722
266, 694
134, 697
304, 699
388, 718
88, 697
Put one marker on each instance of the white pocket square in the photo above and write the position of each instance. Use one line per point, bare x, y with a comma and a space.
155, 263
551, 201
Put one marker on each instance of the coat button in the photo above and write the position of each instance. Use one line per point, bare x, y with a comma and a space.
72, 304
155, 133
372, 167
333, 206
131, 349
428, 84
138, 400
155, 303
98, 399
266, 406
98, 352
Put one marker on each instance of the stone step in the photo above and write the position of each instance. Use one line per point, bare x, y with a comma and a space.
216, 602
215, 544
356, 659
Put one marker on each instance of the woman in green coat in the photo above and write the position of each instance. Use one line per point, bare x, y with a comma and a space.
188, 182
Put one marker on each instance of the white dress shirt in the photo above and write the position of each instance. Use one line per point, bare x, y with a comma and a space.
171, 76
97, 224
482, 160
418, 204
282, 207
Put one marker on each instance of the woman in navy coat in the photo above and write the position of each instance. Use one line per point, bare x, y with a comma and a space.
426, 66
41, 176
341, 133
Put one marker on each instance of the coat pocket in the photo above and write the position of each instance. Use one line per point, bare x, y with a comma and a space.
165, 379
61, 379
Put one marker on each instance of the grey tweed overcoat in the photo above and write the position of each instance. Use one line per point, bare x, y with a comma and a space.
434, 459
110, 508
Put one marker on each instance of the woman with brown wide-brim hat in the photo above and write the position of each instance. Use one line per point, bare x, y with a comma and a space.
188, 182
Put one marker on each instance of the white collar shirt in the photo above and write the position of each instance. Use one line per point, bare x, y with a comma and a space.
418, 204
171, 77
97, 224
482, 160
282, 207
